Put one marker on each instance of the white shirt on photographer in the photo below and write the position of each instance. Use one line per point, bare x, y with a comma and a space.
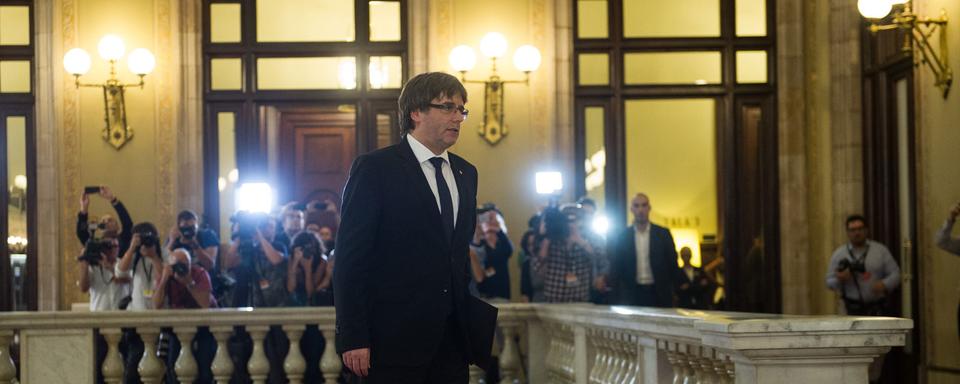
105, 293
144, 276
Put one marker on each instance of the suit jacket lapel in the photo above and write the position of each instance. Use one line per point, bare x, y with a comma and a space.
425, 196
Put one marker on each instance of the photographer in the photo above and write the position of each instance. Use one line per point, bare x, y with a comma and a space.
201, 243
306, 266
183, 285
565, 259
143, 263
257, 262
121, 230
95, 268
490, 240
292, 222
863, 271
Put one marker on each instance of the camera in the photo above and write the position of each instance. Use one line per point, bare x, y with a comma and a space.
852, 266
188, 231
181, 269
247, 223
149, 239
93, 252
309, 248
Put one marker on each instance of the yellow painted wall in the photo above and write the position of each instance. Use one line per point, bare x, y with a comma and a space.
507, 169
938, 138
132, 171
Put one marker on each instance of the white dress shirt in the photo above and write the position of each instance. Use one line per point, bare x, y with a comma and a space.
423, 155
641, 240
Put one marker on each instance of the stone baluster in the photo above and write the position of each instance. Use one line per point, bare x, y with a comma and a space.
330, 363
633, 368
151, 368
222, 366
294, 365
8, 371
720, 370
258, 366
693, 365
707, 374
623, 358
606, 365
186, 365
112, 368
731, 375
510, 358
570, 359
476, 374
594, 377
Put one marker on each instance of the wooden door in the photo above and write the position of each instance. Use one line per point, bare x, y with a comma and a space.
316, 148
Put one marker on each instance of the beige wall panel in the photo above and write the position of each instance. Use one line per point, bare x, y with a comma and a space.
507, 169
141, 173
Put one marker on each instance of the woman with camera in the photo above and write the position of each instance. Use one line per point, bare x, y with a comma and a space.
565, 259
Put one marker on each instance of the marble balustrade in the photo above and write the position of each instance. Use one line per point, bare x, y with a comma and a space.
537, 343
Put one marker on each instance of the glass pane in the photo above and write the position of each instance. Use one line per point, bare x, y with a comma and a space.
305, 20
672, 68
14, 25
751, 17
385, 72
592, 19
17, 185
678, 18
671, 157
15, 76
225, 23
307, 73
751, 66
384, 21
595, 150
385, 131
226, 74
594, 68
228, 174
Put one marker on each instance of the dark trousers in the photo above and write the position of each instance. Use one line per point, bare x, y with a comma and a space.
642, 295
448, 366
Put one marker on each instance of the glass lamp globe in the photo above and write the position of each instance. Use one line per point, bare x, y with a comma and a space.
462, 58
527, 58
141, 61
874, 9
493, 45
76, 61
111, 47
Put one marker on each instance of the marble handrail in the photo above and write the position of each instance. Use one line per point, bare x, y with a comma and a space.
537, 343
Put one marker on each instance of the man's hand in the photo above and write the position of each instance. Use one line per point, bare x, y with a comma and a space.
358, 360
174, 234
106, 193
600, 283
879, 288
167, 273
135, 241
844, 275
84, 202
955, 211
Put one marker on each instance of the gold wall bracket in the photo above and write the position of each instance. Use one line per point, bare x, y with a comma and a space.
115, 131
493, 129
918, 35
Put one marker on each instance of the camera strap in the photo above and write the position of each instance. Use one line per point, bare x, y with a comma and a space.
853, 274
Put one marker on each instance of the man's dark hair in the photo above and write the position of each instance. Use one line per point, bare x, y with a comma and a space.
420, 91
859, 218
556, 225
147, 228
185, 215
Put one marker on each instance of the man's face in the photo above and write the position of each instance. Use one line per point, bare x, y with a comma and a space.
326, 234
114, 250
436, 128
857, 232
685, 255
640, 207
189, 223
293, 221
110, 223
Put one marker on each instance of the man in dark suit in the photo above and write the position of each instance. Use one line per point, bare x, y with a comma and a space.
645, 260
400, 282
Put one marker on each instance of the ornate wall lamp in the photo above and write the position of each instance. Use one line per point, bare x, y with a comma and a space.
140, 61
918, 31
494, 45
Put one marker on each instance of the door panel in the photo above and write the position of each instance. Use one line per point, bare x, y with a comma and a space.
315, 150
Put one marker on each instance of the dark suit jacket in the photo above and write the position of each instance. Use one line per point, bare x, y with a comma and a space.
397, 278
663, 263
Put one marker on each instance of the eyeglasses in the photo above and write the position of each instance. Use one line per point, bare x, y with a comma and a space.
450, 107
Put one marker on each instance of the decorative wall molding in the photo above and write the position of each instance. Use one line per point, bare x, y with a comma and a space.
47, 164
69, 157
166, 149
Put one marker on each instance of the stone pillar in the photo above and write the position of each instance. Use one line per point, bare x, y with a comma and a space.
112, 368
186, 365
330, 364
258, 366
294, 365
151, 368
222, 366
8, 372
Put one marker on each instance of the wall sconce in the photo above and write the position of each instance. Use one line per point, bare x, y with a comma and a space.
918, 31
140, 61
494, 45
